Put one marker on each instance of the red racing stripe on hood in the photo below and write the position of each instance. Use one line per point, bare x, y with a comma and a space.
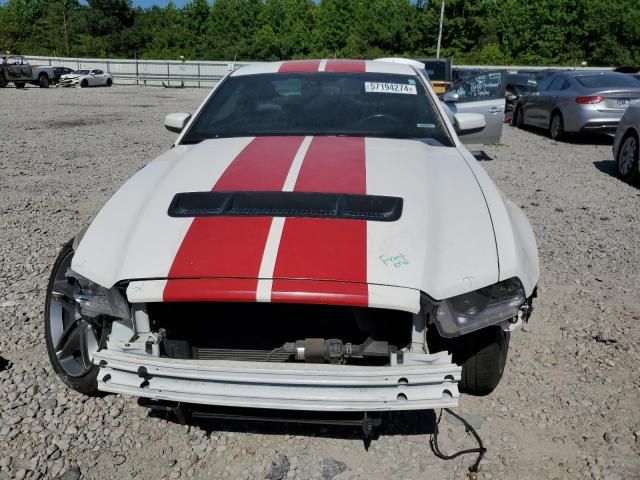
346, 66
299, 66
326, 249
233, 247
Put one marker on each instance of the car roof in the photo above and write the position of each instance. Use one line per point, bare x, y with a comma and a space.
582, 73
325, 65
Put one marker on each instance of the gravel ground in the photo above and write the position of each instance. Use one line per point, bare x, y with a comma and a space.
567, 407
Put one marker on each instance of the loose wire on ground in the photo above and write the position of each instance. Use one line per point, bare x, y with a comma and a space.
481, 450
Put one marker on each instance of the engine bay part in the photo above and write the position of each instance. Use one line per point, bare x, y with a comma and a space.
333, 350
279, 332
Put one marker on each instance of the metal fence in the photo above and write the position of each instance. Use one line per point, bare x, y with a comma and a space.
190, 73
149, 72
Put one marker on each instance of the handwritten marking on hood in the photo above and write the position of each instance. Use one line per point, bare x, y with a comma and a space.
396, 261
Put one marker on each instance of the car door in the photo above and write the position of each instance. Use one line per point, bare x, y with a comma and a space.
100, 77
548, 100
534, 106
481, 93
92, 78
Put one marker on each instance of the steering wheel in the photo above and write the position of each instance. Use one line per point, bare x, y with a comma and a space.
378, 117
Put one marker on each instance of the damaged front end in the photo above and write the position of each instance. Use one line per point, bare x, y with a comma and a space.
276, 356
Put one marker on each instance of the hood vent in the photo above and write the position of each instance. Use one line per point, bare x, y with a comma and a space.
286, 204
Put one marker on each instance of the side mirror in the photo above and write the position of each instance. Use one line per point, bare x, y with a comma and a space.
450, 97
175, 122
466, 123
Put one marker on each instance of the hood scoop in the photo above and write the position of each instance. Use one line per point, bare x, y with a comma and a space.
286, 204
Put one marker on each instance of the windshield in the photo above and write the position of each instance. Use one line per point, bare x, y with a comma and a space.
349, 104
82, 72
437, 70
607, 80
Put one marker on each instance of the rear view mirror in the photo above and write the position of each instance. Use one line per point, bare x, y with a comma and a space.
175, 122
450, 96
466, 123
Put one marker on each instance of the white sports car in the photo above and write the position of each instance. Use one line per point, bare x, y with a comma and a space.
86, 78
318, 238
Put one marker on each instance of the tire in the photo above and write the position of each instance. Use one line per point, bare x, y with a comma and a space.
43, 81
72, 365
556, 126
84, 84
627, 158
19, 85
3, 82
482, 356
517, 119
109, 82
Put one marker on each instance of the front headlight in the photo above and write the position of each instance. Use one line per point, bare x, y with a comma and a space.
478, 309
95, 299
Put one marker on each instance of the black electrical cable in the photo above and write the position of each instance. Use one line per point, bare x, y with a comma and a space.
481, 450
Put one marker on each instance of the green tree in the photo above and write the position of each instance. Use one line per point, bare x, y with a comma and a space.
285, 31
231, 28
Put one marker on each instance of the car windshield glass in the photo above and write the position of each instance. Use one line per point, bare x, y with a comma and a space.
349, 104
82, 72
606, 80
437, 70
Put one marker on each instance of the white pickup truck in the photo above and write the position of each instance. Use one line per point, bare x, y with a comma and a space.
17, 69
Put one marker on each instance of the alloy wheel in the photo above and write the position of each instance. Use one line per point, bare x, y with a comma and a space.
73, 337
627, 155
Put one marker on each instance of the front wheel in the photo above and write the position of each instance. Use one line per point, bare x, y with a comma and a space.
109, 82
84, 84
481, 354
71, 339
627, 160
556, 126
43, 81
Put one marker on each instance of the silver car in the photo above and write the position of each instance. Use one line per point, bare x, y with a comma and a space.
577, 102
625, 145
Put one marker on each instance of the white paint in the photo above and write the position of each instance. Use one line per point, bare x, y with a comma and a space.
143, 291
444, 233
132, 237
268, 264
270, 254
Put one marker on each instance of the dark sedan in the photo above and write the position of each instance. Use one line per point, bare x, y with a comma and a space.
59, 71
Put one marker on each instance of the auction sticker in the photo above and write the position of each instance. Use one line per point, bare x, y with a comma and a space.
379, 87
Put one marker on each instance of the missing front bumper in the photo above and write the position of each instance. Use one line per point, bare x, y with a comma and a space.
424, 381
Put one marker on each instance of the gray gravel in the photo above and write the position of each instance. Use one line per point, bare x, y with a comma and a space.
567, 406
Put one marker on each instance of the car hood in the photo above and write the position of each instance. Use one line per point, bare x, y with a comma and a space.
443, 243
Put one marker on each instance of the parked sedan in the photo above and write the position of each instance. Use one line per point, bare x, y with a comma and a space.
626, 144
87, 78
578, 102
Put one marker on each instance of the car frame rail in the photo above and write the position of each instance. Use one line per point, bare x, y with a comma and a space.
422, 381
